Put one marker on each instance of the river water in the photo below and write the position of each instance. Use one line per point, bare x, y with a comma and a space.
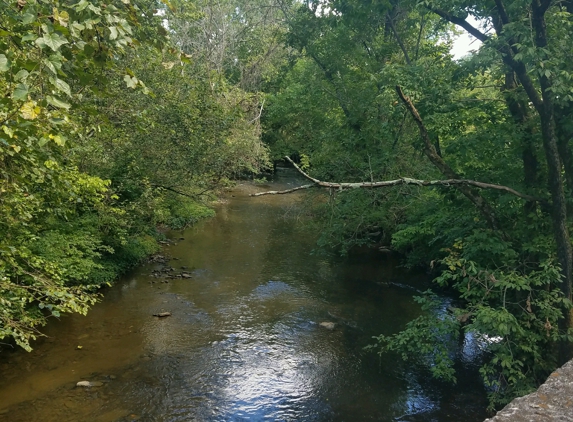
245, 340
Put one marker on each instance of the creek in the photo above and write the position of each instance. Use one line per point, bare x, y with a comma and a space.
244, 341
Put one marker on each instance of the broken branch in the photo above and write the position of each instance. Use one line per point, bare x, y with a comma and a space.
397, 182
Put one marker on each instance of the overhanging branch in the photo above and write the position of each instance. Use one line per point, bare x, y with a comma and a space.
460, 22
398, 182
178, 192
282, 192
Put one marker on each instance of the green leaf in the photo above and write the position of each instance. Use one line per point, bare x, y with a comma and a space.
58, 140
21, 92
50, 66
30, 110
28, 18
94, 9
57, 102
21, 75
29, 37
81, 5
53, 40
4, 63
113, 33
8, 131
61, 86
130, 81
89, 49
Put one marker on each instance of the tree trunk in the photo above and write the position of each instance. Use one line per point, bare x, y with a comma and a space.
520, 114
559, 204
444, 168
563, 116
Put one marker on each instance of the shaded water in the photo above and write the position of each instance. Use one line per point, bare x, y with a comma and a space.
244, 341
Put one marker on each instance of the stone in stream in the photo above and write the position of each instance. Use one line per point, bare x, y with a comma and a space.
70, 404
162, 314
328, 325
89, 384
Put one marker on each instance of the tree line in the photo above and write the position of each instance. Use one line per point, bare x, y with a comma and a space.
111, 125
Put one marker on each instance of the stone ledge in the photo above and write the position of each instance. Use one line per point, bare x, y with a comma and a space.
553, 401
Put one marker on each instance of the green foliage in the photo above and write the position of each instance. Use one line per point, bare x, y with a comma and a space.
182, 213
104, 127
428, 340
337, 112
520, 309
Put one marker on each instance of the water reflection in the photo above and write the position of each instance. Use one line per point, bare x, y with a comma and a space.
244, 341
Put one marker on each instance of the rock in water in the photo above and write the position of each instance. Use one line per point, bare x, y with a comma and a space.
162, 314
89, 384
328, 325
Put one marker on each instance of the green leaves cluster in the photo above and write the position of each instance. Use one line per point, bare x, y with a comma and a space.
48, 47
337, 107
106, 131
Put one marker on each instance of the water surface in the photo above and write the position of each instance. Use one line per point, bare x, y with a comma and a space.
244, 342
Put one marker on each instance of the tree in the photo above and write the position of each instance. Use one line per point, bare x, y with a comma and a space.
91, 162
46, 47
487, 120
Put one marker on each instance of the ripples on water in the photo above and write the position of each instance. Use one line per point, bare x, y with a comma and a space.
244, 342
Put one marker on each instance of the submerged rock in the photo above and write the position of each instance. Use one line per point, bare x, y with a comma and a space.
328, 325
162, 314
159, 258
89, 384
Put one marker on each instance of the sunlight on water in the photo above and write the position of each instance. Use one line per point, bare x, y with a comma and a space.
261, 330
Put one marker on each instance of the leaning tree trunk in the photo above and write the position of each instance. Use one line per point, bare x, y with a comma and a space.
430, 152
546, 110
554, 162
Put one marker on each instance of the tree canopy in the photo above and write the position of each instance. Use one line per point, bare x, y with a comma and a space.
108, 129
480, 152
